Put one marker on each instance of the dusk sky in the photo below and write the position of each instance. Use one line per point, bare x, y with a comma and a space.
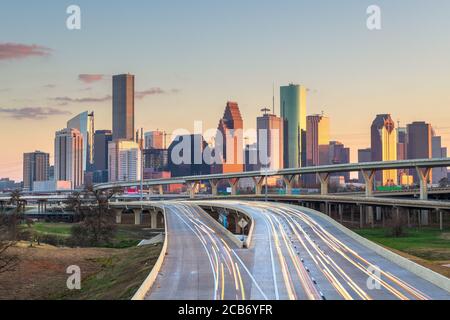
190, 57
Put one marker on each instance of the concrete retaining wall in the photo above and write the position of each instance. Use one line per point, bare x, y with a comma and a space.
150, 280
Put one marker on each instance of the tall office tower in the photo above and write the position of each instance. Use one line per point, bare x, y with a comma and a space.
123, 107
384, 147
339, 154
156, 159
438, 152
84, 122
402, 143
154, 140
124, 161
101, 140
186, 156
230, 141
364, 155
293, 111
317, 138
270, 141
419, 143
69, 157
251, 158
35, 168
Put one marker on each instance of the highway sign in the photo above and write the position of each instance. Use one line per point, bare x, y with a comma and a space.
243, 223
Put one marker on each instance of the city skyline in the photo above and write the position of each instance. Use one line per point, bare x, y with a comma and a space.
59, 78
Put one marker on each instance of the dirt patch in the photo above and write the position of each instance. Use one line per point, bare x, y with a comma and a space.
42, 270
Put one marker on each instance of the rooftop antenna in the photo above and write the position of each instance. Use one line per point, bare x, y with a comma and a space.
273, 97
265, 110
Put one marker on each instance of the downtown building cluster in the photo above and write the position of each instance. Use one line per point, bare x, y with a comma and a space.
84, 156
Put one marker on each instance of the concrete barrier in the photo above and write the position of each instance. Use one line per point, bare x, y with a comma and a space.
247, 242
424, 273
150, 280
227, 232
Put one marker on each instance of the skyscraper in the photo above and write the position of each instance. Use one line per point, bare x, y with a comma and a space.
339, 154
270, 141
123, 107
317, 137
154, 140
230, 141
186, 156
384, 147
419, 143
364, 155
438, 152
35, 168
124, 161
69, 157
101, 140
84, 122
293, 111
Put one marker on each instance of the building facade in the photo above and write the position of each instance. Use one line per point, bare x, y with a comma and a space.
419, 143
84, 123
317, 140
124, 161
438, 152
123, 107
35, 168
69, 157
270, 135
101, 140
384, 147
154, 140
293, 112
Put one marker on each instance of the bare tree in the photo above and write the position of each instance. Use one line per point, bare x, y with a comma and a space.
97, 220
8, 233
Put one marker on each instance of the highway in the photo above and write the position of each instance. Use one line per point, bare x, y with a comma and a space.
294, 255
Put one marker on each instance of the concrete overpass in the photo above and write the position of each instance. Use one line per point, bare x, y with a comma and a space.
292, 253
422, 167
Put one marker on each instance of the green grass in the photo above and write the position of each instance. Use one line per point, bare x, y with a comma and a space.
119, 277
426, 243
127, 236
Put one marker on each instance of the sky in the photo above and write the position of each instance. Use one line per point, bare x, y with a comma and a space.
191, 57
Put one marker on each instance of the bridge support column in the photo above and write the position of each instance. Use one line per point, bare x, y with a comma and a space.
118, 214
424, 175
368, 176
153, 219
370, 216
214, 184
259, 181
323, 178
161, 190
441, 220
289, 183
352, 214
234, 183
341, 213
137, 217
361, 216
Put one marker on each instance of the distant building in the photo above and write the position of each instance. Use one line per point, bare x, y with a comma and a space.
51, 173
51, 186
156, 159
84, 123
251, 158
8, 185
35, 168
124, 161
69, 157
185, 156
384, 147
364, 155
230, 141
293, 112
123, 107
419, 143
101, 140
438, 152
339, 154
154, 140
270, 141
317, 138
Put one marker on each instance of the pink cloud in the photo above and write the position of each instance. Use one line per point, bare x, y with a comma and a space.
90, 78
9, 51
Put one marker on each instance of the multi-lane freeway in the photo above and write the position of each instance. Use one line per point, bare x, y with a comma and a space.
294, 254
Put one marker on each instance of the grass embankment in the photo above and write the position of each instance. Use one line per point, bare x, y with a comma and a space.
127, 236
427, 246
113, 272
